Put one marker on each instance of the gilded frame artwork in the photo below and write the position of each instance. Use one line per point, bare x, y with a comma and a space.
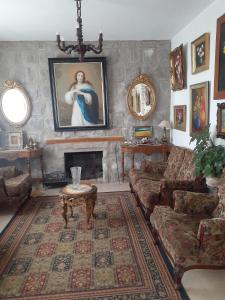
200, 54
79, 93
15, 140
199, 110
219, 75
220, 120
177, 69
180, 117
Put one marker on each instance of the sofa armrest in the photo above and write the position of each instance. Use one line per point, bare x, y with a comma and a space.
211, 236
3, 191
194, 203
153, 167
168, 186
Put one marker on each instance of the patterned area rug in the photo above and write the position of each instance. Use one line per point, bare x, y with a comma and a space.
115, 260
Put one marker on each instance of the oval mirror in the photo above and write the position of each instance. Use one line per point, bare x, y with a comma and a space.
141, 99
15, 104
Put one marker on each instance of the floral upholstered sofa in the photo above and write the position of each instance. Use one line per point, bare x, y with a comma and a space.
155, 182
15, 186
193, 233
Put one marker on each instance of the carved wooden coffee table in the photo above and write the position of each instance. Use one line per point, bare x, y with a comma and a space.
85, 194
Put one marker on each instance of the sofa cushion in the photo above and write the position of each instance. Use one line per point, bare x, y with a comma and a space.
178, 233
187, 168
175, 160
148, 191
17, 185
7, 172
135, 175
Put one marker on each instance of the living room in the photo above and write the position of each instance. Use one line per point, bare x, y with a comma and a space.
142, 50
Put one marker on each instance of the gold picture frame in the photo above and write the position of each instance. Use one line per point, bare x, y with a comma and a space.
180, 117
199, 106
200, 54
219, 74
177, 79
220, 120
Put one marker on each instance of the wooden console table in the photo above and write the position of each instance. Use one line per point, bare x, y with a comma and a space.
143, 148
27, 154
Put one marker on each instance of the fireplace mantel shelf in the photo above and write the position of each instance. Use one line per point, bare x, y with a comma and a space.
115, 138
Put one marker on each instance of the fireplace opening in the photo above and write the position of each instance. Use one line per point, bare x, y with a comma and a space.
90, 162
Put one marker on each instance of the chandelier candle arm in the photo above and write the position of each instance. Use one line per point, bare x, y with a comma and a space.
80, 47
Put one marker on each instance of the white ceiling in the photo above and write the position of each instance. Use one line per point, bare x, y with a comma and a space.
23, 20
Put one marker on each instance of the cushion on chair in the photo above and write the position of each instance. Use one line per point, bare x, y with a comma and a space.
148, 191
174, 163
135, 175
7, 172
187, 168
17, 185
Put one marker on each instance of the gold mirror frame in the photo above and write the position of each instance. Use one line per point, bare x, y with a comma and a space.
145, 80
9, 85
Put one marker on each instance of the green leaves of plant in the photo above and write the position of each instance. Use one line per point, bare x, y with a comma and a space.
209, 159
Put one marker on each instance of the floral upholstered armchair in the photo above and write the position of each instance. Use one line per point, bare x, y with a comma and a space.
15, 186
193, 233
155, 182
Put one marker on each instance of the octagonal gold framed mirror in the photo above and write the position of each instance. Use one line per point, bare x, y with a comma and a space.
15, 104
141, 98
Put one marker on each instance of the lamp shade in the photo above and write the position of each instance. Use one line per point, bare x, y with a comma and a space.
164, 124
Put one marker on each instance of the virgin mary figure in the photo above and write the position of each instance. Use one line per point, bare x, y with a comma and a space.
84, 100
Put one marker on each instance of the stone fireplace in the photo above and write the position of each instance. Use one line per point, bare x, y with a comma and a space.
101, 155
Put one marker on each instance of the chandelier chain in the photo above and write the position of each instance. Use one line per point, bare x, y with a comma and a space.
80, 47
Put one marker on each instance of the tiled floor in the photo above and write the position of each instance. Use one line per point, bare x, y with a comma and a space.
199, 284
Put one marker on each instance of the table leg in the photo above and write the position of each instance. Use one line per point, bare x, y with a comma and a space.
28, 165
42, 167
122, 166
71, 211
64, 212
90, 205
133, 160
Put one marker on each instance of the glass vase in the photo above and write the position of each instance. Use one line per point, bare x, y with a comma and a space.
75, 172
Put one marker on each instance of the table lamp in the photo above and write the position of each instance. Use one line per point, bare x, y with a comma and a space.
165, 125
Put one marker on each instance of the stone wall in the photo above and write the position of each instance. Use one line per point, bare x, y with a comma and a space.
27, 63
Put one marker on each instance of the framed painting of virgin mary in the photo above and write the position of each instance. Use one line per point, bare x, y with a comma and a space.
79, 93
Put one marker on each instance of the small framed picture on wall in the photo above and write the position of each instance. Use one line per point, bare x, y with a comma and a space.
219, 74
221, 120
199, 99
200, 54
177, 69
15, 140
180, 117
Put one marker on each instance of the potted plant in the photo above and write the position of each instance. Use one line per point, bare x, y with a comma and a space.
209, 159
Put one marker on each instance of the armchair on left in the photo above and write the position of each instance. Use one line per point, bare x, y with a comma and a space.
15, 186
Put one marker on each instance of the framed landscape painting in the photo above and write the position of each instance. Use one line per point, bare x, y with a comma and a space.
200, 54
219, 75
199, 99
180, 117
177, 69
221, 120
140, 132
79, 93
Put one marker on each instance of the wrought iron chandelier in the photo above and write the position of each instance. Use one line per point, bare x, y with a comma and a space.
80, 47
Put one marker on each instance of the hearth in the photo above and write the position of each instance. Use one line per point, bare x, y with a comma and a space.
91, 163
